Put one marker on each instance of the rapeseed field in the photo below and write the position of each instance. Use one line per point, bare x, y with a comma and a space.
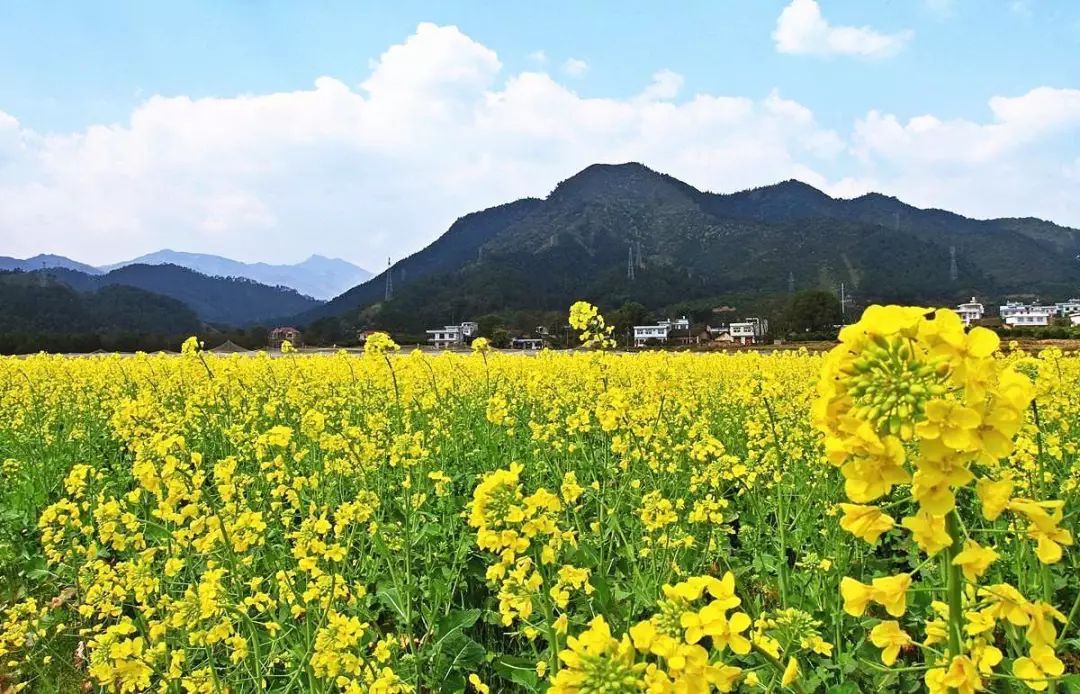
896, 515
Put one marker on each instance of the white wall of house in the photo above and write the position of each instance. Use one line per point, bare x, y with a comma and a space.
1025, 315
447, 336
644, 333
743, 332
971, 311
1068, 308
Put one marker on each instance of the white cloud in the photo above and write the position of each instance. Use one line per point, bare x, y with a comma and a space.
801, 29
942, 9
1018, 121
436, 130
439, 129
538, 57
575, 67
665, 86
1015, 164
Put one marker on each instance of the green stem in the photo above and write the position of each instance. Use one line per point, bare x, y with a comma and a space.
954, 585
781, 515
1069, 619
779, 666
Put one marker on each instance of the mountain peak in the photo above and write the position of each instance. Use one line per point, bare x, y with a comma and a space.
617, 181
45, 260
625, 168
879, 198
792, 187
318, 276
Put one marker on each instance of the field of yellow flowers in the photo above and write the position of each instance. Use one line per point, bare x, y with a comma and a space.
896, 515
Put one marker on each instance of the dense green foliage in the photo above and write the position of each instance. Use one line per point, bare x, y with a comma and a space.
812, 311
33, 303
40, 313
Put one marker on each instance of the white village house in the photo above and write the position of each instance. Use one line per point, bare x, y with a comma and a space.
971, 312
1067, 309
662, 331
453, 335
1019, 314
746, 332
644, 333
742, 332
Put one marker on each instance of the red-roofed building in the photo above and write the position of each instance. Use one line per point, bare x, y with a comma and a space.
279, 335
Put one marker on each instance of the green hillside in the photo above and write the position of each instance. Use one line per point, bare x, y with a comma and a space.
38, 313
687, 246
218, 300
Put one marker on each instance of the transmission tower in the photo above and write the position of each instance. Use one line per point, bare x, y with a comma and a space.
791, 282
389, 282
954, 272
630, 263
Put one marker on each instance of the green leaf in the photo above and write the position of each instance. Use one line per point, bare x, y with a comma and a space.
459, 653
454, 684
520, 671
453, 623
845, 688
391, 598
36, 569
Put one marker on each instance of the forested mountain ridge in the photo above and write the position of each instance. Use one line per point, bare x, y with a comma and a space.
317, 276
217, 300
34, 303
616, 233
44, 261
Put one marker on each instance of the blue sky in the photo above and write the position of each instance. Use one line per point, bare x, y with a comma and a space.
65, 65
101, 97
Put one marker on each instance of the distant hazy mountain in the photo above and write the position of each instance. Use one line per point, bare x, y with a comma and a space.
233, 301
45, 261
318, 276
688, 245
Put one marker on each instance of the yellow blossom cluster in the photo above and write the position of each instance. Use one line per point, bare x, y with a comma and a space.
911, 400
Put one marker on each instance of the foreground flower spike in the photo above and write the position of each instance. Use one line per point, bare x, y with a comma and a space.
913, 407
595, 333
380, 343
